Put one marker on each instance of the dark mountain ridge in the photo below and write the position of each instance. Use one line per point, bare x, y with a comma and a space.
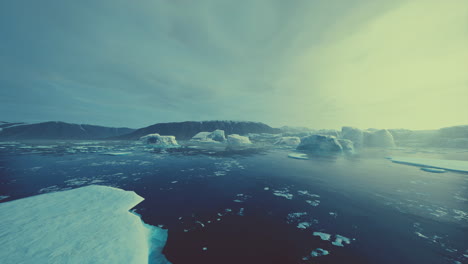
188, 129
60, 130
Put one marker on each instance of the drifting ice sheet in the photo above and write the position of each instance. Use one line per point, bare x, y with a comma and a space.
85, 225
453, 165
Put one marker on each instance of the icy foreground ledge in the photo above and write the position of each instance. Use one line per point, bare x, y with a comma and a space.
453, 165
86, 225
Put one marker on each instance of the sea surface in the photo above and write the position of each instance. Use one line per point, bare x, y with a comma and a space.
258, 205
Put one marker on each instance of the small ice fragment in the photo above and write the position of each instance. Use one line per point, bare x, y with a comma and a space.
174, 181
205, 248
266, 188
339, 240
319, 252
303, 225
117, 153
301, 156
241, 212
323, 236
313, 203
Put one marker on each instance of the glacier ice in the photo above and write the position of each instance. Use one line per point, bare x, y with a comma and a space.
319, 252
158, 140
215, 136
380, 138
356, 135
288, 141
320, 143
237, 140
323, 236
347, 145
91, 224
453, 165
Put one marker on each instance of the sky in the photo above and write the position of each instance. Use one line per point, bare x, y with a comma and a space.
312, 63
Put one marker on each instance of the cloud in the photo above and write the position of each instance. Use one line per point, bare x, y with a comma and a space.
311, 63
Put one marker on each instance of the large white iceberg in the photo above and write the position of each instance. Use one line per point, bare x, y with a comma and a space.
215, 136
453, 165
354, 134
288, 141
158, 140
380, 138
237, 140
91, 224
320, 143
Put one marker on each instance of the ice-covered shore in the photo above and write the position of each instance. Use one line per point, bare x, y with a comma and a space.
91, 224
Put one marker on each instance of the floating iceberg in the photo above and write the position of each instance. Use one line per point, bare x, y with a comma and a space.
323, 236
320, 143
86, 225
237, 140
380, 138
453, 165
347, 145
288, 141
354, 134
319, 252
158, 140
215, 136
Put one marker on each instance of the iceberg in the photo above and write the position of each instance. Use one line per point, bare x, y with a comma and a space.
237, 140
380, 138
91, 224
452, 165
347, 145
354, 134
215, 136
320, 143
158, 140
288, 141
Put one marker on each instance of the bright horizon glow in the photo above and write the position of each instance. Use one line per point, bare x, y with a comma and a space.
318, 64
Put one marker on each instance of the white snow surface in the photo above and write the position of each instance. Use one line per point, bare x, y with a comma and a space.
453, 165
237, 140
156, 139
86, 225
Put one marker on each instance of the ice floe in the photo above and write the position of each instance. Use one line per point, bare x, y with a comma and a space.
453, 165
296, 155
323, 236
434, 170
160, 141
319, 252
283, 193
85, 225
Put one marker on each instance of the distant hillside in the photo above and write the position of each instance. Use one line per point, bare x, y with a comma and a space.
188, 129
59, 130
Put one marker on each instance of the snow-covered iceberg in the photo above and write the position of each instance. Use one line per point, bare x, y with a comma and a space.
347, 145
380, 138
354, 134
320, 143
453, 165
288, 141
215, 136
91, 224
235, 140
158, 140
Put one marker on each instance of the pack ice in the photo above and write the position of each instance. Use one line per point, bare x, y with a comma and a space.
453, 165
86, 225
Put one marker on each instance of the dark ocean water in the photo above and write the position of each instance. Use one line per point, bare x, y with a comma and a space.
259, 206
